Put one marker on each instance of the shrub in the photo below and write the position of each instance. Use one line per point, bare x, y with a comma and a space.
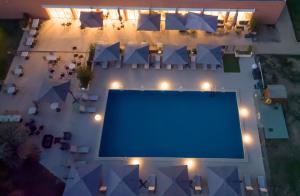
85, 75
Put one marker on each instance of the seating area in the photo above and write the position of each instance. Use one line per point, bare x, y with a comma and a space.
168, 181
159, 56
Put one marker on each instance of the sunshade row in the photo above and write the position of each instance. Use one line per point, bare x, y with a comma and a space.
124, 180
151, 22
176, 55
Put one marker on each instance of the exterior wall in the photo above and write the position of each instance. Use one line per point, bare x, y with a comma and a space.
267, 11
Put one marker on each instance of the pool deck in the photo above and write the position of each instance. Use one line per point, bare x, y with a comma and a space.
88, 132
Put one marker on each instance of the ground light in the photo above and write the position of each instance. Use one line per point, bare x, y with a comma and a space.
135, 162
206, 86
244, 112
116, 85
189, 163
98, 117
164, 85
247, 139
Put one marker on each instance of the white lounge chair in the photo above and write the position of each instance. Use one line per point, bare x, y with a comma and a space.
180, 67
169, 67
104, 65
134, 66
79, 149
151, 182
248, 184
262, 184
193, 62
146, 66
86, 109
197, 183
157, 61
87, 97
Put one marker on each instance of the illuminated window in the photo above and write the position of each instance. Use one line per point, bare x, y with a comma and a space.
60, 13
244, 17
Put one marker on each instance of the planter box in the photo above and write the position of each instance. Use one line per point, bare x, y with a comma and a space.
243, 54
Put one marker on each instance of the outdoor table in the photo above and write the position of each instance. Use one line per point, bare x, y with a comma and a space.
11, 89
29, 41
18, 71
51, 57
24, 54
54, 106
72, 66
32, 32
35, 23
32, 110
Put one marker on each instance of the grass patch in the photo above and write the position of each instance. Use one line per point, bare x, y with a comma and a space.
10, 36
294, 10
231, 63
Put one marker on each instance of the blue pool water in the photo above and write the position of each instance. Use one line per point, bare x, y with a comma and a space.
171, 124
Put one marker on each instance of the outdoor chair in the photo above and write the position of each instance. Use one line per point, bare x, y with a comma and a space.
151, 182
134, 66
193, 62
64, 146
87, 97
85, 109
79, 149
262, 184
196, 183
157, 61
169, 66
248, 184
104, 65
67, 136
180, 67
146, 66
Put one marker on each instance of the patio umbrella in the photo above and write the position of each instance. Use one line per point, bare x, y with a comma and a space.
148, 22
173, 181
91, 19
224, 181
107, 52
201, 22
175, 21
209, 54
175, 55
54, 91
84, 180
136, 54
123, 180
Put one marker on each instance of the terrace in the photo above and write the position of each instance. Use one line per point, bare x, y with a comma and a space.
87, 129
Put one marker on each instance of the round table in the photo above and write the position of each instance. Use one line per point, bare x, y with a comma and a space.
72, 66
54, 106
32, 110
18, 71
11, 90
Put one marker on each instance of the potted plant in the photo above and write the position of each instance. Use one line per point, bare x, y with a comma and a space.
85, 75
254, 25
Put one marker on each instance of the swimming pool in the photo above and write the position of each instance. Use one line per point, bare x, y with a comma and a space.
171, 124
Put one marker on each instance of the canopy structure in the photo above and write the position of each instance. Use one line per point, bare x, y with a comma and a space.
84, 180
107, 52
123, 180
91, 19
136, 54
224, 181
209, 54
173, 181
54, 91
175, 55
148, 22
175, 21
201, 22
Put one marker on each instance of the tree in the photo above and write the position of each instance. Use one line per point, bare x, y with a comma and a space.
85, 75
12, 139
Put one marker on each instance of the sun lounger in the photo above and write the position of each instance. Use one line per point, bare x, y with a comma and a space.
193, 62
86, 109
180, 67
248, 184
169, 67
134, 66
104, 65
157, 61
151, 182
79, 149
197, 183
262, 184
146, 66
87, 97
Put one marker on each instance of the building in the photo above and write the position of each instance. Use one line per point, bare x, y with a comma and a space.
228, 11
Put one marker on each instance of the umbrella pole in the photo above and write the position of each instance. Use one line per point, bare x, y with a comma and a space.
75, 100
